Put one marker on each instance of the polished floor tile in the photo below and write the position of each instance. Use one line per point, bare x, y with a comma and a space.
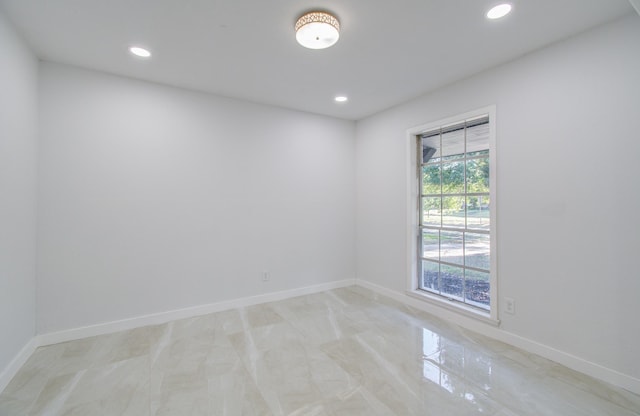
341, 352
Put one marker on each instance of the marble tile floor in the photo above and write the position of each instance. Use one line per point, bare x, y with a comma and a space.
341, 352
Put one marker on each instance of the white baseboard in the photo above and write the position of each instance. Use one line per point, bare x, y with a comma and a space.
568, 360
10, 371
154, 319
164, 317
576, 363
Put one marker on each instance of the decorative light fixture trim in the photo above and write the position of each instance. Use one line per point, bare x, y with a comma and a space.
317, 30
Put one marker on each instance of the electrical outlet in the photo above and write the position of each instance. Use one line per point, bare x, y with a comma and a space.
510, 306
266, 276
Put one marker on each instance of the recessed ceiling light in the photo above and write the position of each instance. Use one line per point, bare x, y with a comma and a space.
141, 52
317, 30
501, 10
341, 98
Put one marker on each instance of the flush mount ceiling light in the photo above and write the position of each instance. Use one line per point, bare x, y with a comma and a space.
501, 10
341, 99
317, 30
141, 52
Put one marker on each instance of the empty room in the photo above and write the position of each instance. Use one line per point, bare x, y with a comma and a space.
241, 207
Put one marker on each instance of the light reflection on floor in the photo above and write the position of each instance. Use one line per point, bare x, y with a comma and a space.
342, 352
436, 350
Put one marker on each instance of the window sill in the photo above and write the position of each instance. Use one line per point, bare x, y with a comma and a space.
454, 306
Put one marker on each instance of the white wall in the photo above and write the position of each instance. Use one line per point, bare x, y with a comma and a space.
568, 134
18, 150
155, 198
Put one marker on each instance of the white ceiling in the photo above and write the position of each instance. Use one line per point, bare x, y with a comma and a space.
388, 52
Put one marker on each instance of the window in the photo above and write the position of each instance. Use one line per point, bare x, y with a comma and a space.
453, 231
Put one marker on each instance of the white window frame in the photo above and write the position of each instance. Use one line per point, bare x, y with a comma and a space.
413, 193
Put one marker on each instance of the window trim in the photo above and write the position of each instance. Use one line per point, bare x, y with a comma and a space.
413, 193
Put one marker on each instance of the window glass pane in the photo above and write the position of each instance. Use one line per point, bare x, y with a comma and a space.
453, 177
477, 250
480, 153
430, 148
478, 139
453, 211
431, 214
478, 213
431, 179
431, 244
478, 175
451, 243
430, 276
451, 281
477, 289
453, 143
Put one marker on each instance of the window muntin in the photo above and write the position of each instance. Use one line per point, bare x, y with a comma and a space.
454, 236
